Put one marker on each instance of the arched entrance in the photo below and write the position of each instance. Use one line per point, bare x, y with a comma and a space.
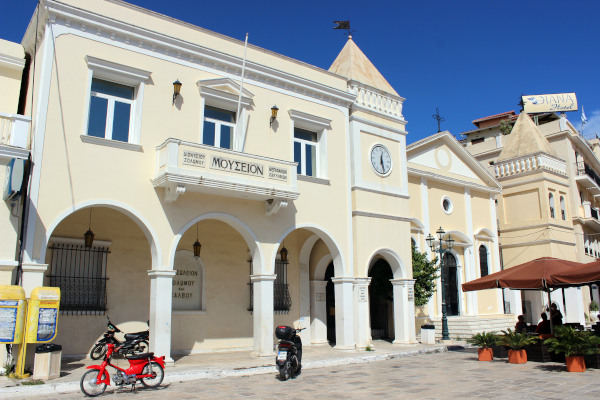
450, 273
330, 304
106, 276
381, 301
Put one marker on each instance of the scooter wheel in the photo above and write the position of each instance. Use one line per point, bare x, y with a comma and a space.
158, 373
98, 351
88, 384
285, 371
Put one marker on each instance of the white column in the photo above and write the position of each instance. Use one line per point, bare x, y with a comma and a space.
318, 312
263, 314
470, 264
404, 310
305, 300
344, 315
362, 326
161, 303
495, 250
425, 220
33, 276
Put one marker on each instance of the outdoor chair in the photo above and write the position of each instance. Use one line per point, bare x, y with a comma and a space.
538, 352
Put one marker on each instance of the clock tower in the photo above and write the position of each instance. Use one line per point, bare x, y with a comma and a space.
379, 185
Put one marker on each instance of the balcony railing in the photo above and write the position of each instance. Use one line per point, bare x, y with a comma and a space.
530, 163
584, 169
14, 130
185, 166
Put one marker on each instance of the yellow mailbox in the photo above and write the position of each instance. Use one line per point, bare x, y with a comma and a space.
12, 313
42, 314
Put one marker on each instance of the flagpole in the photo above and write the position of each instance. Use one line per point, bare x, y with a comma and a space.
239, 107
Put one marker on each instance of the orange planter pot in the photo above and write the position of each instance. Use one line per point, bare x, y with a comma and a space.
485, 354
575, 364
517, 356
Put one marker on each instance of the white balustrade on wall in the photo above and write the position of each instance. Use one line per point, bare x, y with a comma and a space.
377, 101
530, 163
14, 130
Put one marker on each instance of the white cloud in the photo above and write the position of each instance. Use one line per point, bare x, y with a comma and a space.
592, 128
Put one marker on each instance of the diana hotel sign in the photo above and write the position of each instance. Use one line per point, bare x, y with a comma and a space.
540, 103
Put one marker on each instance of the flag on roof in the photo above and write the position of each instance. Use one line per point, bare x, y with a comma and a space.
583, 117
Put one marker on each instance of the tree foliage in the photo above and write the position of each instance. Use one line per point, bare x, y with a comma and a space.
506, 126
425, 273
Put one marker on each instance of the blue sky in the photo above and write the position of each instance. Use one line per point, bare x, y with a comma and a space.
469, 58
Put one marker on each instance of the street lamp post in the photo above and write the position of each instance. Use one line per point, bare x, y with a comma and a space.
441, 251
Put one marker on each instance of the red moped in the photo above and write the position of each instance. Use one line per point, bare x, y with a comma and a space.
142, 367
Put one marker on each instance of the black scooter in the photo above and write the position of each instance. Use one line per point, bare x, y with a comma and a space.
134, 343
289, 352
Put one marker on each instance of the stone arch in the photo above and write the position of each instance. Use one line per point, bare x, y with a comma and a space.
321, 267
393, 259
339, 263
129, 211
258, 264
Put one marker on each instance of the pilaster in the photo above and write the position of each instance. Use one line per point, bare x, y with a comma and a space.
318, 312
404, 310
263, 314
344, 315
161, 298
362, 331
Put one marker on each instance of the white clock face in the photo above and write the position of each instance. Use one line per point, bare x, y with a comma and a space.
381, 159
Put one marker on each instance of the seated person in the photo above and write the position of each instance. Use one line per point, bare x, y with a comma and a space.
544, 325
521, 325
556, 315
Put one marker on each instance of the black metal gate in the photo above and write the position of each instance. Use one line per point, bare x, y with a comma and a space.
80, 273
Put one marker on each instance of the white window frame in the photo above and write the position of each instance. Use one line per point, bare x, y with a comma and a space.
304, 145
110, 110
450, 203
224, 93
320, 126
218, 124
122, 74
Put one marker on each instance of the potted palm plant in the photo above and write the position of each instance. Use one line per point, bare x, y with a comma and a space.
517, 343
574, 345
485, 341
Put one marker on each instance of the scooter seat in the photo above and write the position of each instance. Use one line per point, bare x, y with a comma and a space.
137, 335
140, 356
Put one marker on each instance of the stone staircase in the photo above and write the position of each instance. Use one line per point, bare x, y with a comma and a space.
463, 327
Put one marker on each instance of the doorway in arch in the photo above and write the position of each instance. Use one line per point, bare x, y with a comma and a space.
450, 272
381, 301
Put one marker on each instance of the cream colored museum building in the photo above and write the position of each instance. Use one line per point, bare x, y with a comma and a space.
151, 172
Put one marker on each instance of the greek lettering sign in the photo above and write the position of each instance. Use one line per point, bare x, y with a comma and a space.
194, 159
320, 297
411, 293
550, 103
237, 166
279, 174
187, 283
362, 294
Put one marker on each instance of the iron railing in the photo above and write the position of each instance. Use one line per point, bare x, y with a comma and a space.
282, 301
80, 273
584, 169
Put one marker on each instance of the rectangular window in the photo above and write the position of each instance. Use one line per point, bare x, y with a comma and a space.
110, 110
219, 127
80, 273
305, 151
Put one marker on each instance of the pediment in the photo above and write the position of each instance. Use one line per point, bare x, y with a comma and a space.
224, 85
443, 155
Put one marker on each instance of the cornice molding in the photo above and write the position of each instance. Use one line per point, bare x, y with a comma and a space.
86, 23
451, 181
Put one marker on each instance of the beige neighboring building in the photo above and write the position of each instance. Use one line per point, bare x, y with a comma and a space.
549, 201
149, 172
14, 152
450, 189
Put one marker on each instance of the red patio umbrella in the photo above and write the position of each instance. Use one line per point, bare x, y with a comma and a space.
583, 275
535, 274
